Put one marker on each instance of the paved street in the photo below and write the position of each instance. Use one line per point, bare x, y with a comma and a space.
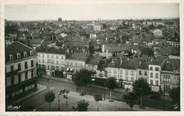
37, 101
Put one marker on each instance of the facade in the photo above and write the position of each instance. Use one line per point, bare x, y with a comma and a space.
125, 77
173, 44
142, 73
170, 74
51, 60
169, 80
124, 70
74, 64
154, 77
21, 72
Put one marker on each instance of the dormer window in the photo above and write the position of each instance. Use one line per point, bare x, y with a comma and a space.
18, 55
25, 54
11, 57
31, 52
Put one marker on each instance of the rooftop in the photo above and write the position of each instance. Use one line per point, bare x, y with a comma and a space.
171, 65
78, 56
94, 60
51, 50
16, 47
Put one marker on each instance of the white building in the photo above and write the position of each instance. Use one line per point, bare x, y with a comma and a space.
76, 61
124, 71
51, 59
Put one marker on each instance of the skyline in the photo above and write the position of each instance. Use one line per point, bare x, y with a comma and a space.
91, 11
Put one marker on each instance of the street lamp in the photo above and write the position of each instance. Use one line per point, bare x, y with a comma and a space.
59, 93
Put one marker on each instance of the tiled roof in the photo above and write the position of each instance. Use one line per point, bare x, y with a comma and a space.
16, 47
124, 62
171, 65
94, 60
78, 56
36, 41
158, 60
115, 47
51, 50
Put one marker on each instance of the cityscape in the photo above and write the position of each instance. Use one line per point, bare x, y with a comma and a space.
101, 64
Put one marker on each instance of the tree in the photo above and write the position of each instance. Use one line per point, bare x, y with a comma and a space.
82, 78
101, 65
111, 84
97, 98
175, 95
66, 92
147, 51
141, 88
91, 48
49, 97
82, 105
130, 98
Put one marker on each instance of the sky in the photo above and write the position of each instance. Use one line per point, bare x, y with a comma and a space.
92, 11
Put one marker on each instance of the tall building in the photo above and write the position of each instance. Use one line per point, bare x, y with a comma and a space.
21, 71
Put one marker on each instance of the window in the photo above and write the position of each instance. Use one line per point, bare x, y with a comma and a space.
32, 63
22, 78
151, 68
156, 83
121, 71
11, 57
31, 53
25, 54
157, 68
151, 82
12, 68
19, 66
115, 72
16, 80
151, 75
157, 75
126, 72
126, 78
26, 75
19, 76
140, 73
32, 74
132, 73
18, 55
8, 81
132, 78
57, 67
145, 73
25, 65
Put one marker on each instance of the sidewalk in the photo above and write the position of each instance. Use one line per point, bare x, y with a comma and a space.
58, 79
40, 88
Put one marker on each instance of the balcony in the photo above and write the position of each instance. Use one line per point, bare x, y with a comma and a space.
12, 73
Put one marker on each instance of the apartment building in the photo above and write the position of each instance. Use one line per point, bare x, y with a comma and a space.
51, 59
21, 71
170, 75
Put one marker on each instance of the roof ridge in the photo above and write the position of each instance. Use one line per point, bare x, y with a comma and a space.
24, 45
